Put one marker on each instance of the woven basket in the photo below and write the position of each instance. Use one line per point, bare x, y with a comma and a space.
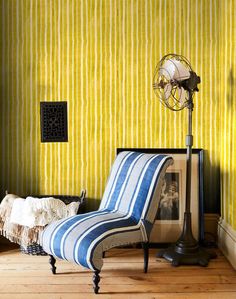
33, 249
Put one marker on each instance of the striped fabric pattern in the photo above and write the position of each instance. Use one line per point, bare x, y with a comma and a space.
126, 213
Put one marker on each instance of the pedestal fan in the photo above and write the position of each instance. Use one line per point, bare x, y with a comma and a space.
175, 84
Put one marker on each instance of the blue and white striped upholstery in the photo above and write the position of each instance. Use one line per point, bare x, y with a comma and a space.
125, 216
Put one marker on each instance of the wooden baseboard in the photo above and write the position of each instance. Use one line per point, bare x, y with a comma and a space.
227, 241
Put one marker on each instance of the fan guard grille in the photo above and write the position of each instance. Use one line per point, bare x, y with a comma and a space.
169, 91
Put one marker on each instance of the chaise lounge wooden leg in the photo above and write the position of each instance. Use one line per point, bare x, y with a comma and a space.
52, 262
145, 246
96, 279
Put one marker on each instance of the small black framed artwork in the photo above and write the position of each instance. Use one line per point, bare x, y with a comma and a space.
170, 213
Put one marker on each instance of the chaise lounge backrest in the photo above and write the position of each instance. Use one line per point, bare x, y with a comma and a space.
134, 185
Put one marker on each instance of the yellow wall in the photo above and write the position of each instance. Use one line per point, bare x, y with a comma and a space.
227, 60
100, 57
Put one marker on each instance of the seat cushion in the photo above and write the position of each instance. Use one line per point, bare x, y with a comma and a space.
83, 238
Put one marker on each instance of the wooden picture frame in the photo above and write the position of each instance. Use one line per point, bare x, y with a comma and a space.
169, 221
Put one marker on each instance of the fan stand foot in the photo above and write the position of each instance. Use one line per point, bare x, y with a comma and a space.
199, 257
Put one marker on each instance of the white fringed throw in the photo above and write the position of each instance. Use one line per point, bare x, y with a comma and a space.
41, 211
21, 220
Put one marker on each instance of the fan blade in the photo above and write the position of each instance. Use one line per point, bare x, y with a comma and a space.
174, 70
167, 90
181, 72
181, 95
167, 70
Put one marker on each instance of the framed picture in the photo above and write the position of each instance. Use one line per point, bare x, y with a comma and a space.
170, 213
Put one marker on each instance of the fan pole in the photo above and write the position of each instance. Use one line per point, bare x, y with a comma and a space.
189, 144
186, 250
187, 243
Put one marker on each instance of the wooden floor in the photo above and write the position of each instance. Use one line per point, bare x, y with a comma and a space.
29, 277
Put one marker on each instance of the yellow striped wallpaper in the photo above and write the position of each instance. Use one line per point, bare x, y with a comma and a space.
100, 55
227, 61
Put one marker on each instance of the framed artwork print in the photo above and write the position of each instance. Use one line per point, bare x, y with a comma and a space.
170, 213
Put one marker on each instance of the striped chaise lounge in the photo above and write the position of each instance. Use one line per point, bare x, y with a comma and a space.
125, 216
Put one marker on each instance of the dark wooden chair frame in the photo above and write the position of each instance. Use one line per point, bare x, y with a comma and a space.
96, 276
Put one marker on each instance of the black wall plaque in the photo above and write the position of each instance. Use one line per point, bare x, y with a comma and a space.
53, 121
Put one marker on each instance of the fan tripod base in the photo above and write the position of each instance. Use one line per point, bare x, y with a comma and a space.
198, 257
